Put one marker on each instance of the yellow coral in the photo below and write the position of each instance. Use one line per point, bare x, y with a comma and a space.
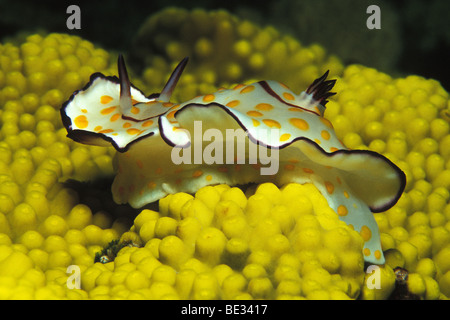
404, 112
224, 50
271, 259
44, 229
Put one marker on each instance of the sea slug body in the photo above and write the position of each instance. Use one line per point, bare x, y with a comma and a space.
146, 130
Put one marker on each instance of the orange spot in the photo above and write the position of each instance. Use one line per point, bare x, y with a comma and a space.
289, 167
158, 170
105, 99
329, 186
151, 185
333, 149
317, 141
209, 98
151, 102
308, 170
208, 177
299, 123
178, 181
98, 128
127, 125
295, 109
197, 173
316, 109
252, 113
346, 194
285, 137
135, 110
247, 89
167, 104
366, 252
272, 123
338, 180
107, 131
255, 123
171, 114
365, 233
84, 110
223, 169
264, 107
326, 122
139, 163
133, 102
108, 110
233, 103
342, 211
237, 167
377, 254
147, 123
284, 86
81, 122
115, 117
325, 134
133, 131
288, 96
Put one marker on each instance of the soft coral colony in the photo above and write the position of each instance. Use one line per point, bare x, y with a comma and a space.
281, 239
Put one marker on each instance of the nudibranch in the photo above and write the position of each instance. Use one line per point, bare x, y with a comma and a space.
145, 130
